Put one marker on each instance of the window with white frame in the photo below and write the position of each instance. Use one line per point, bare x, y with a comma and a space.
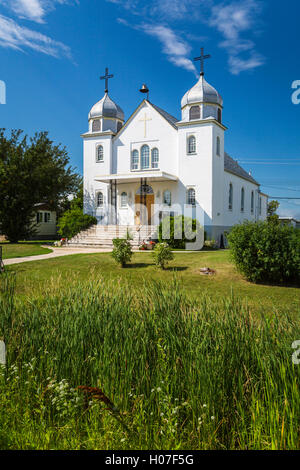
167, 198
191, 196
124, 199
100, 199
47, 217
135, 160
155, 158
252, 202
242, 199
145, 157
191, 144
194, 112
99, 154
230, 201
218, 146
39, 217
96, 126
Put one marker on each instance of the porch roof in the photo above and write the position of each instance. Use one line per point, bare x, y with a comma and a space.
136, 176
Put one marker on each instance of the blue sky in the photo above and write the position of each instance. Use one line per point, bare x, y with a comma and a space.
53, 52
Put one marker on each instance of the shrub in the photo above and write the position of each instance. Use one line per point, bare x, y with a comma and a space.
74, 221
210, 244
266, 252
122, 251
177, 231
162, 254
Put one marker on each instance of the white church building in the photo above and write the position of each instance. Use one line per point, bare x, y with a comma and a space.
166, 165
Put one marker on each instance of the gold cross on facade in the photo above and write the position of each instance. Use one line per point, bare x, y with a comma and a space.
144, 120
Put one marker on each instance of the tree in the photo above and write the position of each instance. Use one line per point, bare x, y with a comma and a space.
32, 170
272, 208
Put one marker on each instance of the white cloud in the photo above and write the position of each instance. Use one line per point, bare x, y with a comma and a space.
232, 20
31, 9
17, 37
175, 48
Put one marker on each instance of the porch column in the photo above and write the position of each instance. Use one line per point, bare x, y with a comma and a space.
113, 202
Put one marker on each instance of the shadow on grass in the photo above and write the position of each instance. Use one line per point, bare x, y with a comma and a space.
146, 265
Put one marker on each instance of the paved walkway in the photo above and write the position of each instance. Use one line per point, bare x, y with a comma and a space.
57, 252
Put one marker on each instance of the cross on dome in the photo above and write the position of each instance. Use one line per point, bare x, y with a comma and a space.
106, 77
202, 58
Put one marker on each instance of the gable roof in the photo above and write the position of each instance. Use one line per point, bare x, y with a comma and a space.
233, 167
171, 119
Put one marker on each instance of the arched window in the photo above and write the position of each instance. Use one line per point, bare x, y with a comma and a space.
167, 197
192, 144
124, 199
100, 154
242, 200
230, 202
135, 160
194, 112
252, 202
96, 127
155, 158
191, 197
219, 115
119, 126
145, 157
99, 199
218, 146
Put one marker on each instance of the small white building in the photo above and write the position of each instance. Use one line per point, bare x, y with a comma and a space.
44, 222
167, 165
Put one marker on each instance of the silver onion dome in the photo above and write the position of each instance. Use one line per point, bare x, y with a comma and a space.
202, 92
106, 107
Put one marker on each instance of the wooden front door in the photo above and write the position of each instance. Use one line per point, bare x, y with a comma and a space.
143, 213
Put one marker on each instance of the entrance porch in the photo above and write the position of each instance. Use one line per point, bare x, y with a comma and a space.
136, 199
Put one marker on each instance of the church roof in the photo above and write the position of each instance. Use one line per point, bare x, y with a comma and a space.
106, 107
202, 92
171, 119
233, 167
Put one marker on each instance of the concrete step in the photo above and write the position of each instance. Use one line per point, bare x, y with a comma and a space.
103, 235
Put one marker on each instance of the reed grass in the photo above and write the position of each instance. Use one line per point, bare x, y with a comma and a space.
180, 373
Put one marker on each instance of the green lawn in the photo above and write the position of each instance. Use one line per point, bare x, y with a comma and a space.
32, 277
22, 249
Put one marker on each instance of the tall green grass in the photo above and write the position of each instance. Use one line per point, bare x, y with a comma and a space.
181, 374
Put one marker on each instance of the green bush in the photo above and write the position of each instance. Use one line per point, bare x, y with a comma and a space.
175, 226
122, 251
74, 221
266, 252
162, 254
210, 244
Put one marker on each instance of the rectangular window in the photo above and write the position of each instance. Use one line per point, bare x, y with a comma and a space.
47, 217
135, 160
260, 205
39, 217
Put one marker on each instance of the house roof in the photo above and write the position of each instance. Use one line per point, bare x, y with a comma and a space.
233, 167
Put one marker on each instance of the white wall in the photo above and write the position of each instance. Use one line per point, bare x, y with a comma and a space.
235, 216
159, 134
